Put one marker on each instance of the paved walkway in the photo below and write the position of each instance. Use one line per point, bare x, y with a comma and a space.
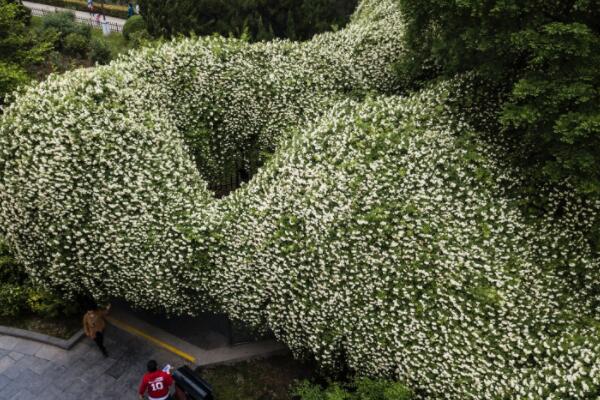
82, 15
224, 354
34, 371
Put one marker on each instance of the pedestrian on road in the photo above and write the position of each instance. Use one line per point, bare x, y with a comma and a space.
156, 382
94, 323
130, 10
137, 8
105, 27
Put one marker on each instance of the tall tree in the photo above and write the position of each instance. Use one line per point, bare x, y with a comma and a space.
19, 48
546, 52
205, 17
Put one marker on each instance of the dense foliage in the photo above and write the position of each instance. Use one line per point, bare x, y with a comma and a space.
260, 19
184, 89
382, 234
19, 49
133, 25
18, 295
360, 389
545, 54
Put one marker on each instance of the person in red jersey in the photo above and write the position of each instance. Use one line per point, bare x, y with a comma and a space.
156, 382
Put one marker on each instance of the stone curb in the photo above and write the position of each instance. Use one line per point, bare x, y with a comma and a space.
40, 337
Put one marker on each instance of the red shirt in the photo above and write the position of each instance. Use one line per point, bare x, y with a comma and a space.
157, 383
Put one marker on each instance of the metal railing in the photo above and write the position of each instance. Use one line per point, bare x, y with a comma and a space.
91, 21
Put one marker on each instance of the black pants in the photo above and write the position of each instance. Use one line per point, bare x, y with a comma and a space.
99, 339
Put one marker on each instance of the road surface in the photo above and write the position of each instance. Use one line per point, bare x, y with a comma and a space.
80, 15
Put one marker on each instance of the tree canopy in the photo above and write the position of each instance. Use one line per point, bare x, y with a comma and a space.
259, 19
544, 53
19, 49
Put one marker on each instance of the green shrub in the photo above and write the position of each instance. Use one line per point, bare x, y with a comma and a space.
11, 77
139, 38
12, 300
100, 51
19, 48
76, 44
10, 270
47, 304
371, 389
134, 24
23, 13
299, 19
64, 23
361, 389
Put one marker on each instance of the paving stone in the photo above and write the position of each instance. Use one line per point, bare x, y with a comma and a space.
48, 352
79, 386
40, 366
26, 361
66, 381
10, 390
40, 384
71, 396
3, 381
23, 377
8, 342
27, 347
34, 371
24, 395
55, 371
13, 373
15, 356
102, 383
5, 363
50, 393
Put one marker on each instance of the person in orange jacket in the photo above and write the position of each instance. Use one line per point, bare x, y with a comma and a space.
94, 323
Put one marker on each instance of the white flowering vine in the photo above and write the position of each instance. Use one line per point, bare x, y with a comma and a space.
381, 232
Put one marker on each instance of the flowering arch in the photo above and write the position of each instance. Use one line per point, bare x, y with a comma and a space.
380, 229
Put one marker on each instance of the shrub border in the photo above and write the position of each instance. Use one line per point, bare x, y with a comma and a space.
65, 344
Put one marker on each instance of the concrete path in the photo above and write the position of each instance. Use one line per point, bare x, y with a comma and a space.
195, 354
34, 371
82, 15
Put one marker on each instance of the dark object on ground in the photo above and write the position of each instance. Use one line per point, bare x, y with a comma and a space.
99, 339
190, 385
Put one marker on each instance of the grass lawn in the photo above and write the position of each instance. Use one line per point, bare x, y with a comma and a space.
266, 379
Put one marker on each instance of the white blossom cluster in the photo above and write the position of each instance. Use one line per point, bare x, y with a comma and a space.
93, 191
381, 233
234, 102
97, 187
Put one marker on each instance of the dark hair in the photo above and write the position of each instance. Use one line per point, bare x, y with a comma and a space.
151, 366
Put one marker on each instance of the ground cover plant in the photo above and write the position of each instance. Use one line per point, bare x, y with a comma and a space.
262, 379
25, 305
379, 232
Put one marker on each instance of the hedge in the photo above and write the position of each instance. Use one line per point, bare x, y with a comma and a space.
379, 234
